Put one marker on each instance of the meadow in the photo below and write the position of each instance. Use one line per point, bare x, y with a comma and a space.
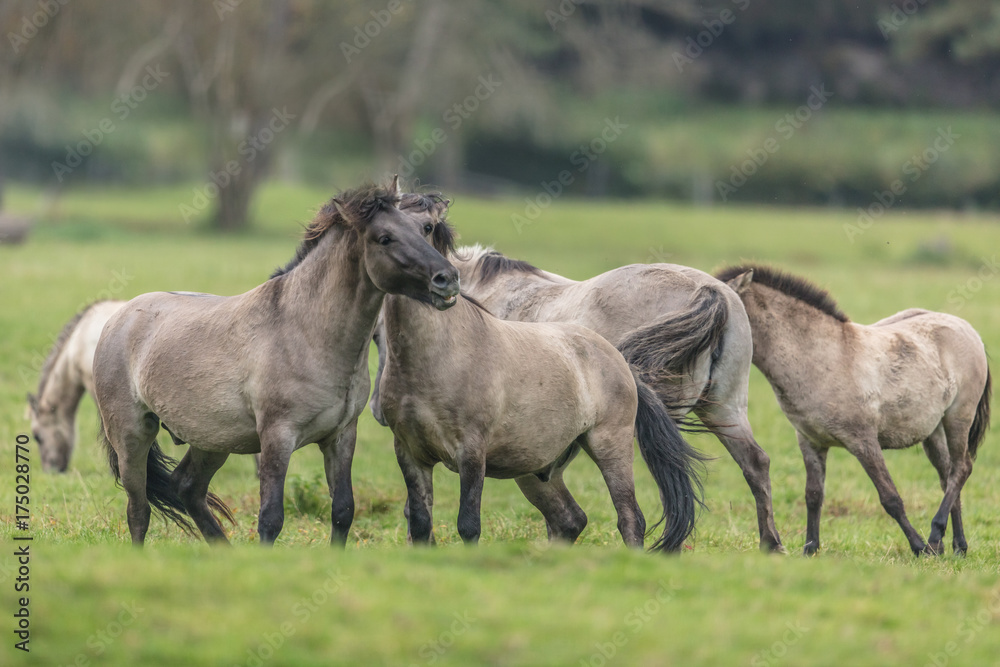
864, 599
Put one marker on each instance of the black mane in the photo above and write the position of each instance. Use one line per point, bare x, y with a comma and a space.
786, 283
360, 204
492, 264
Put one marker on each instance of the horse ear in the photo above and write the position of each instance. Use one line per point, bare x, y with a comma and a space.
394, 188
339, 205
741, 282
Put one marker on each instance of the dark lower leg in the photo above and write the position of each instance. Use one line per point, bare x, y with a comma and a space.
815, 463
191, 479
564, 518
472, 471
734, 432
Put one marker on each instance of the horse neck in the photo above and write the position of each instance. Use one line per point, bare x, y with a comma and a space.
790, 336
415, 331
64, 385
329, 297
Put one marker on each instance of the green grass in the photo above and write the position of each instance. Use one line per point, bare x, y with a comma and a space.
864, 600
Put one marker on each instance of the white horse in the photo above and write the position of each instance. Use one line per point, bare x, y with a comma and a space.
67, 374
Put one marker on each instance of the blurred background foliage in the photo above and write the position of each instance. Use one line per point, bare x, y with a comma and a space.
500, 96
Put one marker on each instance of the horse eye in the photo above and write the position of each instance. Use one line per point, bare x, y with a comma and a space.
384, 240
428, 228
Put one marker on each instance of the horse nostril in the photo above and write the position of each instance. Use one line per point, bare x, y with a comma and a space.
441, 280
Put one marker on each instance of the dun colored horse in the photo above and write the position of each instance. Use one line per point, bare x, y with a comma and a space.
685, 331
271, 370
917, 376
519, 400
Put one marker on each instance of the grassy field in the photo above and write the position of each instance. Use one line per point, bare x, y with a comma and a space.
863, 600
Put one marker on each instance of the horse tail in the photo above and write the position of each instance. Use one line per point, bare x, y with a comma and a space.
160, 491
674, 464
666, 351
982, 421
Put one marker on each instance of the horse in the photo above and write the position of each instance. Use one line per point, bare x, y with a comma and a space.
487, 397
916, 376
685, 331
67, 374
269, 371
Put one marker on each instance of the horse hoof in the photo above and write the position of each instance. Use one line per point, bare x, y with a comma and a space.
810, 549
931, 549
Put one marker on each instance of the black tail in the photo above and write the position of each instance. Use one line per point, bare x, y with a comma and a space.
159, 487
982, 421
675, 466
666, 351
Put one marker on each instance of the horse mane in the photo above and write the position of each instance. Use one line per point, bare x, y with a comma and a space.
60, 343
492, 263
360, 205
789, 285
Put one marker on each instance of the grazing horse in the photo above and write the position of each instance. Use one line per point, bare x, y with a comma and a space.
68, 373
519, 400
917, 376
271, 370
685, 331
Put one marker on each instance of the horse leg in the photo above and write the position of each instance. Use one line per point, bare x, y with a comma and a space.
614, 460
564, 518
419, 480
275, 452
733, 430
191, 478
472, 473
957, 435
936, 448
130, 440
338, 454
815, 461
869, 453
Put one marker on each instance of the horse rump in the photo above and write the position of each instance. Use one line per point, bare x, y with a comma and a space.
666, 351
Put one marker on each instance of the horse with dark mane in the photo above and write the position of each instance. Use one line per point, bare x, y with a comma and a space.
916, 376
685, 332
269, 371
487, 397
